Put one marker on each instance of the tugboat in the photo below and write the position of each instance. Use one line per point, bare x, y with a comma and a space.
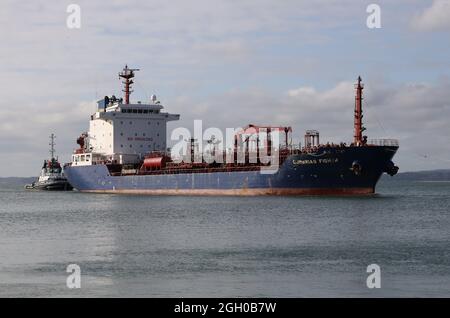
52, 176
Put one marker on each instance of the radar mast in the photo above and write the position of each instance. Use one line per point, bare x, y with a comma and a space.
127, 74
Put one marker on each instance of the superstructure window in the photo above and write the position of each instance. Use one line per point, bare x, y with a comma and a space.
139, 111
145, 111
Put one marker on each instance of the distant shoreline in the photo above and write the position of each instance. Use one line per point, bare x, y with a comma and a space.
427, 175
443, 181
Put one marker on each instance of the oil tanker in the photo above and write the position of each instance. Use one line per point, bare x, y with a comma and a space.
125, 151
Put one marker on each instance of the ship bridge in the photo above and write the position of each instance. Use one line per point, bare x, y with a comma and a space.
123, 132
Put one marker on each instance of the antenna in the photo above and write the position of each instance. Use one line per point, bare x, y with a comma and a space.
52, 145
127, 74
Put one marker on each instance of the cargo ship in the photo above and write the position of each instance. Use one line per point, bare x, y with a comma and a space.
125, 151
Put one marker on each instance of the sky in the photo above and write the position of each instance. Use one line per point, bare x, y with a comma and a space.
229, 63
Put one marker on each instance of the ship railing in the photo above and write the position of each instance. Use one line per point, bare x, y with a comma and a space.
383, 142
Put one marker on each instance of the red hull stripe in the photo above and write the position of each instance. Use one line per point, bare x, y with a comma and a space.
242, 192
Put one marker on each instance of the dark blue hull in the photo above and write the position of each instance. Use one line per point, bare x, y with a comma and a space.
329, 172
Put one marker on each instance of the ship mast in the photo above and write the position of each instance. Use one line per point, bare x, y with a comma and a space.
52, 145
358, 138
127, 74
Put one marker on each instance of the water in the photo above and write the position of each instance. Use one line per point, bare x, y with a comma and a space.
225, 246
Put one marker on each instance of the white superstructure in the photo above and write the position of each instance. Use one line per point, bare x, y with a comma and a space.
122, 132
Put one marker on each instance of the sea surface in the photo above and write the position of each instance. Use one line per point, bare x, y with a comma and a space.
163, 246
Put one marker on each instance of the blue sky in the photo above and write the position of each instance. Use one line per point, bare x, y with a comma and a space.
229, 63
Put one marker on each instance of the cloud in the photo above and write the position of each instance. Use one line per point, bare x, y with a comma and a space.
436, 17
228, 62
416, 114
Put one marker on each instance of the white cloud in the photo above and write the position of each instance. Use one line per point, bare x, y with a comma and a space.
229, 62
436, 17
416, 114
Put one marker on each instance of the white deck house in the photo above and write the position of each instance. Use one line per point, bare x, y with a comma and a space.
121, 132
124, 133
